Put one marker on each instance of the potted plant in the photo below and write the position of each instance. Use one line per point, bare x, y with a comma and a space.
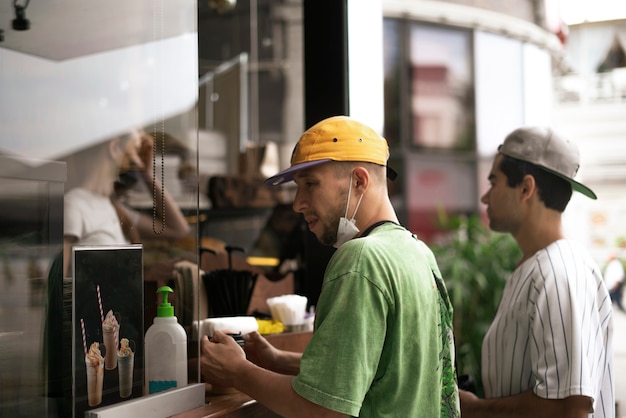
475, 263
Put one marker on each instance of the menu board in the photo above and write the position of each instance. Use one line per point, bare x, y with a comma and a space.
107, 321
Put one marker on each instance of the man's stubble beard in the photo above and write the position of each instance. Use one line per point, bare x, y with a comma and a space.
329, 230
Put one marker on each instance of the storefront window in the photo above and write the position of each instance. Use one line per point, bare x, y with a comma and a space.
430, 120
393, 80
452, 93
97, 101
442, 99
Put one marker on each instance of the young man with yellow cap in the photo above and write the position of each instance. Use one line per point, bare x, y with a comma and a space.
548, 352
382, 344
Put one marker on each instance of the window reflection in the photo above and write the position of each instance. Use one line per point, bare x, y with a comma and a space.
393, 80
442, 110
68, 95
78, 80
95, 212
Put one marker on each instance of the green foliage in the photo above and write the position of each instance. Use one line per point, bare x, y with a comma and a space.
475, 263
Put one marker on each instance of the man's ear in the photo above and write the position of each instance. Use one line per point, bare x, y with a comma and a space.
361, 178
115, 150
528, 185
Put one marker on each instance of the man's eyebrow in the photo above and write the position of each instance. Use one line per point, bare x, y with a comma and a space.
302, 174
491, 176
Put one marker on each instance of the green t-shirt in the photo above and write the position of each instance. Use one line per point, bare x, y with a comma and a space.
383, 344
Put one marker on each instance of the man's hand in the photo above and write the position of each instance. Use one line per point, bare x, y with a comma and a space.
138, 153
260, 351
222, 359
468, 402
145, 152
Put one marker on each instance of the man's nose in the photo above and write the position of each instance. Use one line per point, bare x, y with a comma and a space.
298, 203
483, 198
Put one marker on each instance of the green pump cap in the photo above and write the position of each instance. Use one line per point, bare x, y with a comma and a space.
165, 309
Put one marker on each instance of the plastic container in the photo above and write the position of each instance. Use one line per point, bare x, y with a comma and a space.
165, 349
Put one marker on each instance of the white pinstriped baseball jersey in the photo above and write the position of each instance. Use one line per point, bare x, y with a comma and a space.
553, 331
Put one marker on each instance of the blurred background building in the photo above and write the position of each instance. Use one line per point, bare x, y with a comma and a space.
459, 76
590, 107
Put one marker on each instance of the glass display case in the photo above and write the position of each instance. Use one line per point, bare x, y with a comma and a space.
95, 100
108, 137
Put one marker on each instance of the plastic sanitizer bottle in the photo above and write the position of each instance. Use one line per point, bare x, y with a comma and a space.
166, 349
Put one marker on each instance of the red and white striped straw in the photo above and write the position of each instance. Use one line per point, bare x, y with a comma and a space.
82, 328
116, 334
100, 303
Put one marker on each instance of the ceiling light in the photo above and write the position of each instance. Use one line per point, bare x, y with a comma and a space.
20, 22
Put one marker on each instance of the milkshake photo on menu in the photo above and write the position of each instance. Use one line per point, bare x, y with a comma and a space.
108, 325
125, 362
94, 368
110, 335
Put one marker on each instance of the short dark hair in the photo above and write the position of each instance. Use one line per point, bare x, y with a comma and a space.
554, 191
343, 168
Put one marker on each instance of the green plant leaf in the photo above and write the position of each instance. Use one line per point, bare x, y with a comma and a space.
475, 263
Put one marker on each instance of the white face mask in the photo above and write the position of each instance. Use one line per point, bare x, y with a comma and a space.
347, 228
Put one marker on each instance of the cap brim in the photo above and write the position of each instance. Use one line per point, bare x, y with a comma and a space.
287, 174
576, 186
581, 188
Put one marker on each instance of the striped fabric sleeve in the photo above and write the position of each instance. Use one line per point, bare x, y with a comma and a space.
567, 348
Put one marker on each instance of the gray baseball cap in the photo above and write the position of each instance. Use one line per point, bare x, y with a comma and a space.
549, 150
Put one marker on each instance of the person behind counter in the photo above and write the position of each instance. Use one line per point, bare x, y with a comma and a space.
548, 351
382, 343
93, 213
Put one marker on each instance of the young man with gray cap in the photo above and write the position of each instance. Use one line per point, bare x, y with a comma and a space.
548, 352
382, 344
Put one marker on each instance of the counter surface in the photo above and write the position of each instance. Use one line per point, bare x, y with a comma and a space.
234, 405
239, 405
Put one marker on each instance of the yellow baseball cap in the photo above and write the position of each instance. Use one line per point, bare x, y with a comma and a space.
338, 138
